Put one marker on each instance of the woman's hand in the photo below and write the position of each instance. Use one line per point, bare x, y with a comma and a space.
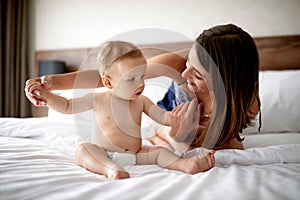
185, 120
32, 92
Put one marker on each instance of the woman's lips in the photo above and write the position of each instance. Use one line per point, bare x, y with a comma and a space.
138, 93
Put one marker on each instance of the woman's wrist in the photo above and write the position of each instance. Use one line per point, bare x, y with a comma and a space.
181, 83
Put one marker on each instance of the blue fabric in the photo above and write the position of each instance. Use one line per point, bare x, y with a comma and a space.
173, 97
168, 102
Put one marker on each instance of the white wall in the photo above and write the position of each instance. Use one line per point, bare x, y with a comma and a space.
61, 24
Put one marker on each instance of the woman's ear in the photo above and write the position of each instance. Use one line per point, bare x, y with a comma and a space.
106, 80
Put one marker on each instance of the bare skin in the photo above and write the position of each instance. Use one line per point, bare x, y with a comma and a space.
118, 114
95, 160
175, 61
196, 164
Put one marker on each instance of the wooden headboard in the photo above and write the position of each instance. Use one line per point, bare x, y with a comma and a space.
276, 53
279, 53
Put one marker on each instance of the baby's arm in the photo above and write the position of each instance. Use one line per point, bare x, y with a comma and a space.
67, 106
156, 113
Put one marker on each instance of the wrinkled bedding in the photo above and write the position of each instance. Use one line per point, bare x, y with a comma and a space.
36, 162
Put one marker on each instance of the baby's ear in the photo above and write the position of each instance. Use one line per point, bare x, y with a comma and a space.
106, 80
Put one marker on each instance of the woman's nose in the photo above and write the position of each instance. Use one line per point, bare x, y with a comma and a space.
186, 73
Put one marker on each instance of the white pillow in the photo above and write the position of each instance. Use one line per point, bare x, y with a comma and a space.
40, 128
279, 94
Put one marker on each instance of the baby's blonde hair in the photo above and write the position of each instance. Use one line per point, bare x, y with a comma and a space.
113, 51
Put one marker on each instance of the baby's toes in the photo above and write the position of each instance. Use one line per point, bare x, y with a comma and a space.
211, 159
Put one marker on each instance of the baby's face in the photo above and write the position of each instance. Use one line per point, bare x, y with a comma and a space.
128, 77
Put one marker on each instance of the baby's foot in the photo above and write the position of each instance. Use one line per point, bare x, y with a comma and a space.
114, 174
201, 162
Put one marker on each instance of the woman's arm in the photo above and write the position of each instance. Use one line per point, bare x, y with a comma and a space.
168, 64
78, 79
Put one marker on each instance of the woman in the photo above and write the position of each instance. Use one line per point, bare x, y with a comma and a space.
236, 58
221, 69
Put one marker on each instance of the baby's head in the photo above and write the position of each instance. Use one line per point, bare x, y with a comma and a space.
122, 67
114, 51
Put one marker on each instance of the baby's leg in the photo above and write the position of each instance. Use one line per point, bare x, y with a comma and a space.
166, 159
200, 162
94, 159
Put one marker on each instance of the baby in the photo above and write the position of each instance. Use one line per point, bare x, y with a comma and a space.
118, 112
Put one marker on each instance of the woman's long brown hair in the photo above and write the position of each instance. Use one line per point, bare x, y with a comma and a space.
235, 55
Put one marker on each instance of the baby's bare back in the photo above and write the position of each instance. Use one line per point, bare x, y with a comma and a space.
118, 123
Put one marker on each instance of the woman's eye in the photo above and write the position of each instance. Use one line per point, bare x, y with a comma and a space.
198, 77
130, 79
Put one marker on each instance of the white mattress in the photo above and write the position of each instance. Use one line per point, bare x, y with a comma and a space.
36, 162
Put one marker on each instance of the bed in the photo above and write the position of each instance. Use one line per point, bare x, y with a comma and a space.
36, 154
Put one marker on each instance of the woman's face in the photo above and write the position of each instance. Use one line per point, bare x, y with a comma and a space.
195, 74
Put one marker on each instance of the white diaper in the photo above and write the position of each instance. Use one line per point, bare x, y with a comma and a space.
122, 159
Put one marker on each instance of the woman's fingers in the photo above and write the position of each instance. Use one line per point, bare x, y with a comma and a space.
189, 110
32, 84
181, 109
33, 87
193, 111
185, 120
177, 109
29, 84
46, 82
32, 91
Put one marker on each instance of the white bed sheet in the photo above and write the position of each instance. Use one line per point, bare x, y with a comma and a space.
37, 163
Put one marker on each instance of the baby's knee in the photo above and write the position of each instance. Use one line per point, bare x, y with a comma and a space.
79, 152
80, 148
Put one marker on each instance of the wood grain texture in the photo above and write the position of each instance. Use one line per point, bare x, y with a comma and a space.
279, 53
